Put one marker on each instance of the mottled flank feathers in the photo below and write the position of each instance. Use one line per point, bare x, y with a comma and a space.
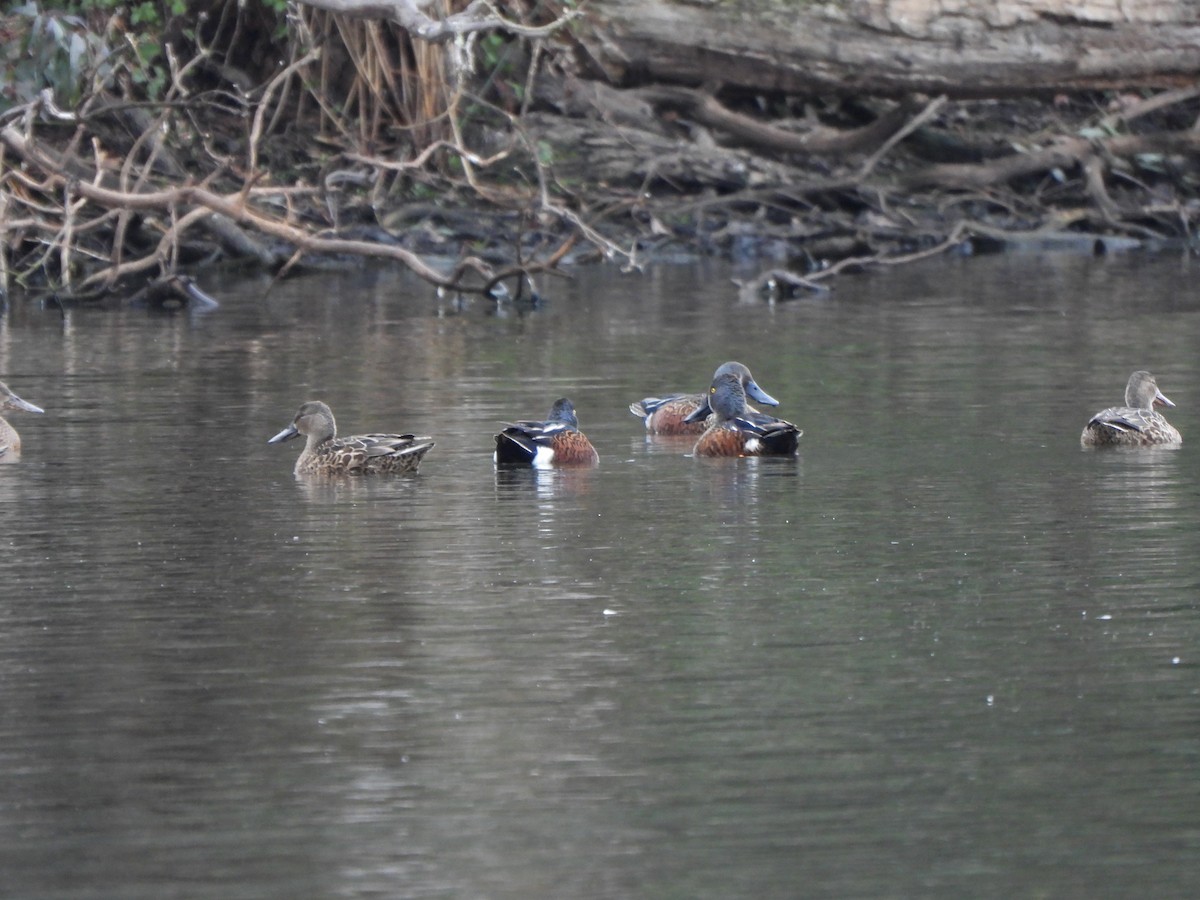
1136, 424
361, 454
10, 441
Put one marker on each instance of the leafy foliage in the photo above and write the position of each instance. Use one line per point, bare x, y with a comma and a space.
39, 50
80, 44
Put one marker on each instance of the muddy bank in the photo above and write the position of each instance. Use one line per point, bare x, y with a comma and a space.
117, 198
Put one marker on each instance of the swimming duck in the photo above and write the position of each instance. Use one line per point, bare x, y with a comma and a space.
555, 442
362, 454
666, 415
737, 431
10, 441
1136, 424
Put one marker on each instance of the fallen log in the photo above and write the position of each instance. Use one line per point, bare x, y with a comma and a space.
968, 49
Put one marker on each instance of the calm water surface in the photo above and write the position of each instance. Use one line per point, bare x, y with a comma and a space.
943, 653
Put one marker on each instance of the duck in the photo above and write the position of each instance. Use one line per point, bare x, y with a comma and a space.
557, 441
10, 441
667, 415
735, 430
1137, 423
362, 454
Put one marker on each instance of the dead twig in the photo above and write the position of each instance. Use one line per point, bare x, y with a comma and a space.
232, 206
256, 130
953, 239
1062, 154
478, 16
707, 110
930, 110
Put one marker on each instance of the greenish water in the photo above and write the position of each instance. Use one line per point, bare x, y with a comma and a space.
943, 653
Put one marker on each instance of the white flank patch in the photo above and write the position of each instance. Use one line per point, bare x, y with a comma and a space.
543, 458
753, 445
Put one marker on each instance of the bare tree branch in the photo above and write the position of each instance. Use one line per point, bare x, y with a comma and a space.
478, 16
200, 202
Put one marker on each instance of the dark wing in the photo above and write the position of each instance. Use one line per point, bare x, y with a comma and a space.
1121, 418
650, 405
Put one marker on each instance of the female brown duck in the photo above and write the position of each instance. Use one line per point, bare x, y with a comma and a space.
1136, 424
10, 441
362, 454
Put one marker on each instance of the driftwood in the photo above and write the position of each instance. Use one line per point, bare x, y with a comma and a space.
1108, 183
1063, 153
738, 127
764, 185
185, 207
965, 49
93, 197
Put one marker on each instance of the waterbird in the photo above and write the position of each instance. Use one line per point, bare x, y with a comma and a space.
10, 441
557, 441
736, 431
362, 454
1137, 423
668, 415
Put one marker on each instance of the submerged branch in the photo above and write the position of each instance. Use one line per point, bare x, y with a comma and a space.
1063, 153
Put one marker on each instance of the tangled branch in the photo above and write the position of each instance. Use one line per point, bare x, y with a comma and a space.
409, 14
114, 189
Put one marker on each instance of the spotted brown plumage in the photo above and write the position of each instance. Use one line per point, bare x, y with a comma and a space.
10, 441
1136, 424
362, 454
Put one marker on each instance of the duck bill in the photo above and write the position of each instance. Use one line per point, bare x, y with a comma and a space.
286, 435
753, 390
1160, 399
17, 403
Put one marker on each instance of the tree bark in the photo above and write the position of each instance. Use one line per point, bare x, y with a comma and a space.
960, 48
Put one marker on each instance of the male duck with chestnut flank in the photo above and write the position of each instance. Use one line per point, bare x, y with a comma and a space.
362, 454
10, 441
737, 431
1136, 424
555, 442
666, 415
